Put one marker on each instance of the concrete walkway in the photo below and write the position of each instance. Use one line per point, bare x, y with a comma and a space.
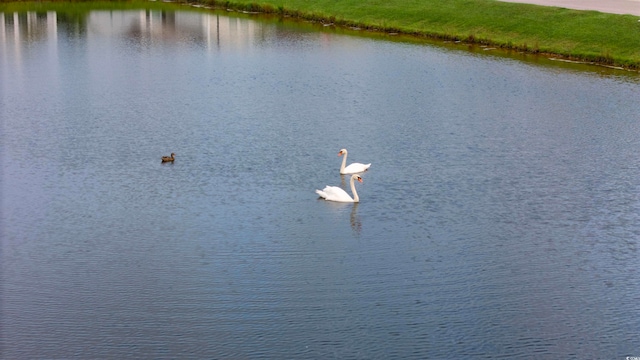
608, 6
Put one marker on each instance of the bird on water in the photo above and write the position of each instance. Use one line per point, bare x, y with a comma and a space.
169, 158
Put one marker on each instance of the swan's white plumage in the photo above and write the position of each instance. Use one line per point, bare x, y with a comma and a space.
355, 168
335, 193
352, 168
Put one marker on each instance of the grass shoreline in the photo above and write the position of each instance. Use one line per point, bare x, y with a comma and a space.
574, 35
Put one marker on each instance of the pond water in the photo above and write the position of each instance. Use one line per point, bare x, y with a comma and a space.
500, 216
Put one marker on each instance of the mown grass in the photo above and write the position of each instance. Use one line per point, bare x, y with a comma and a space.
590, 36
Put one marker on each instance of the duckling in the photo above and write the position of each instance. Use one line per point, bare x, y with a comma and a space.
169, 158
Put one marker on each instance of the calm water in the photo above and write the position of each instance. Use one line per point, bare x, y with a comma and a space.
500, 217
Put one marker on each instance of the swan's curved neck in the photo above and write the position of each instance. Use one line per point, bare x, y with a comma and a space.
353, 190
344, 163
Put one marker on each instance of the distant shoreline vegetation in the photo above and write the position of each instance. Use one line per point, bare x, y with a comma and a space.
573, 35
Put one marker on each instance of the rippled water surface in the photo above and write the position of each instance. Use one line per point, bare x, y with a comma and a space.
500, 216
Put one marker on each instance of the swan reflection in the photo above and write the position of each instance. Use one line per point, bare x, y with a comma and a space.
354, 220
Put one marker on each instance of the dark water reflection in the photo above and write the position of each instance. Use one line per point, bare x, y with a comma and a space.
500, 217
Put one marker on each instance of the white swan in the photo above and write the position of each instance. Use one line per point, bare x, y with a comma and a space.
335, 193
352, 168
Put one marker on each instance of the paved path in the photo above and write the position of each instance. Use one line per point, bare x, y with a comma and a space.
607, 6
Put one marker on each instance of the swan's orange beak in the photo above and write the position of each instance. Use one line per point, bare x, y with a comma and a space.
360, 179
340, 153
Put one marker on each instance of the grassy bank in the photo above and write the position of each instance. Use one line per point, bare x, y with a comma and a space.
588, 36
80, 6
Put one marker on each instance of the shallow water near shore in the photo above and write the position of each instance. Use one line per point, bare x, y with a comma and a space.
500, 217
